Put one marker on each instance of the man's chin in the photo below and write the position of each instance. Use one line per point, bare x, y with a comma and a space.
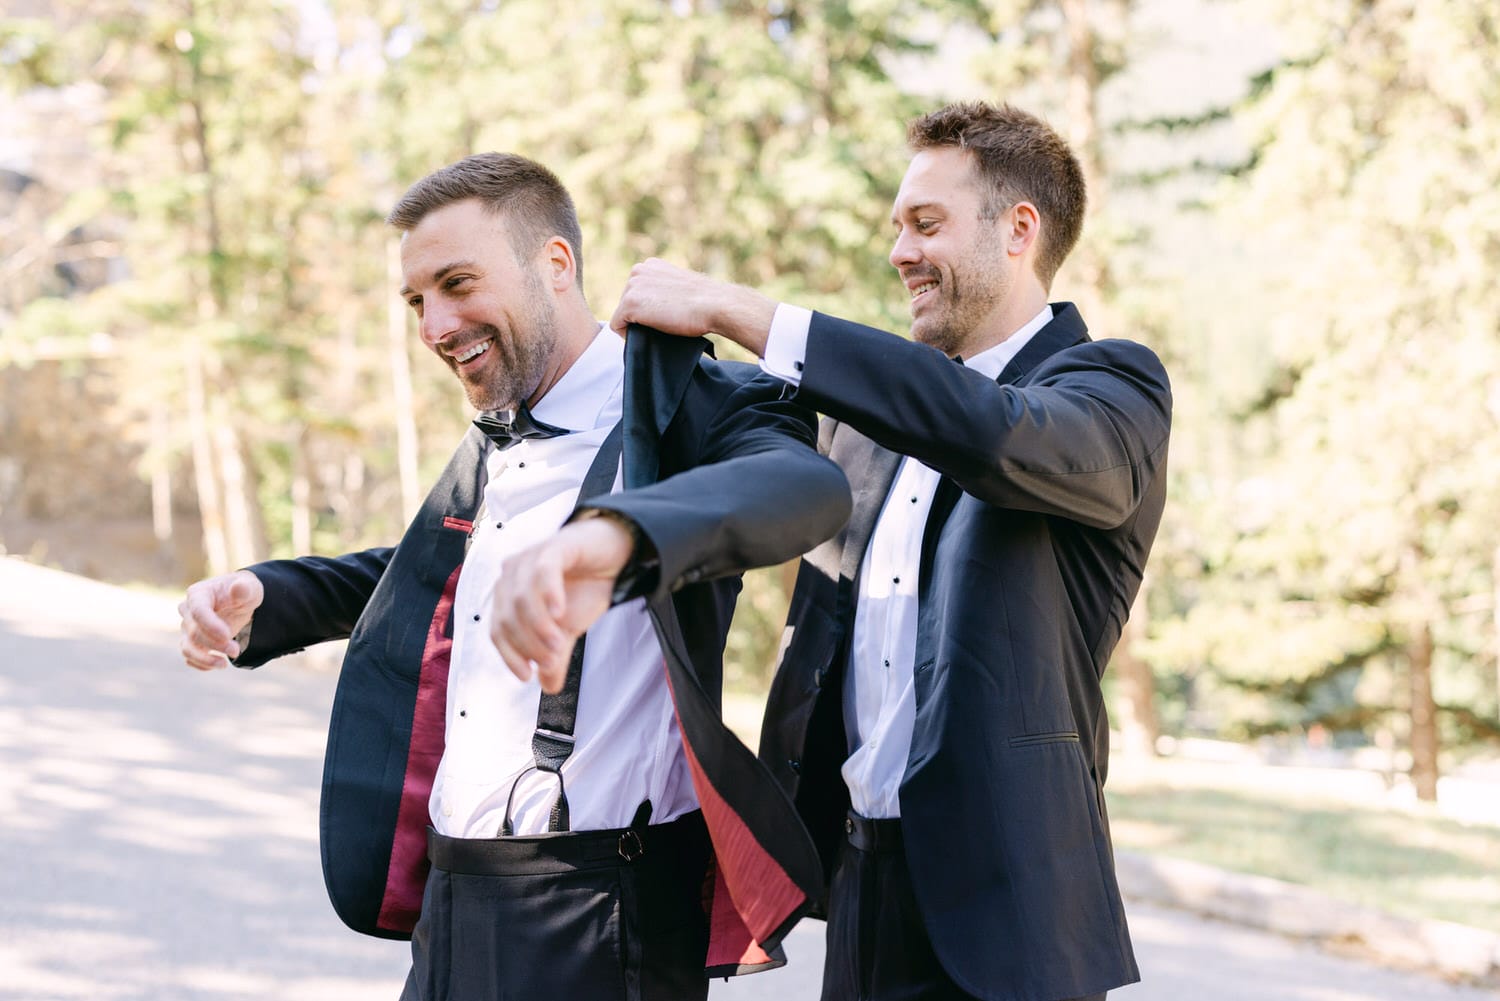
934, 336
483, 398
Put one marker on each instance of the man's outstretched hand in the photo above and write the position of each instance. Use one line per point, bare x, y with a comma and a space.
213, 614
549, 595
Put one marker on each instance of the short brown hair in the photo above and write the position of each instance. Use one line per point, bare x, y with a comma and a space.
1017, 157
529, 196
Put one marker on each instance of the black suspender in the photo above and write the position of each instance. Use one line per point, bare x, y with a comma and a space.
552, 741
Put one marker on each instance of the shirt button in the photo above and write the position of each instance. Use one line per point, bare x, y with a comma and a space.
476, 616
520, 465
886, 663
447, 809
463, 712
913, 500
895, 580
499, 524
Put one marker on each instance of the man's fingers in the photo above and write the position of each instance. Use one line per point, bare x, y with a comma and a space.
242, 592
519, 666
552, 674
618, 322
213, 612
205, 621
200, 658
528, 629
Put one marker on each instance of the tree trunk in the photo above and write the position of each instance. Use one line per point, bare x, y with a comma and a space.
1424, 733
1495, 613
301, 497
405, 417
1090, 266
243, 529
218, 454
1092, 286
161, 478
1139, 725
210, 507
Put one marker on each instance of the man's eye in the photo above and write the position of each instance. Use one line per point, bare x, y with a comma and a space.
926, 225
455, 282
415, 302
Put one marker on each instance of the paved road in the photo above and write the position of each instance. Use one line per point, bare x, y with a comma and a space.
159, 837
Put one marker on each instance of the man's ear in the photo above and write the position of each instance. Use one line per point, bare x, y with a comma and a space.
562, 265
1024, 231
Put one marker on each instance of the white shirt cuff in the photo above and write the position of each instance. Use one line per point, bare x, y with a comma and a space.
786, 344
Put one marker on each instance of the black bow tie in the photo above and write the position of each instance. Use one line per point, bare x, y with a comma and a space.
507, 433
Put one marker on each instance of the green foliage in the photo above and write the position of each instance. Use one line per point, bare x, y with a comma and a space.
1336, 366
1368, 494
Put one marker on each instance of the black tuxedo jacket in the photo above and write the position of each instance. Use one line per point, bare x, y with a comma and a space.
1053, 480
721, 476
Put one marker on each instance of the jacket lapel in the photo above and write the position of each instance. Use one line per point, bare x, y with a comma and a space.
765, 868
658, 368
1066, 329
877, 466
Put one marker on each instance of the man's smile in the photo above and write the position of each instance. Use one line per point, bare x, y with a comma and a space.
473, 351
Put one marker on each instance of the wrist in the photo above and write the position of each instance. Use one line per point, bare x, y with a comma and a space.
639, 568
745, 318
610, 538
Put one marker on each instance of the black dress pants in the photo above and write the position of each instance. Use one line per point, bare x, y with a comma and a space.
878, 946
592, 915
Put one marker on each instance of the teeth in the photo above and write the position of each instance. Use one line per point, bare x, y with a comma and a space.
923, 288
473, 352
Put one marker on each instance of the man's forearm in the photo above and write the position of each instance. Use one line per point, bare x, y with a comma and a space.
744, 317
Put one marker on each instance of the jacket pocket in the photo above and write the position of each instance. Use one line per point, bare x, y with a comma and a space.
1058, 737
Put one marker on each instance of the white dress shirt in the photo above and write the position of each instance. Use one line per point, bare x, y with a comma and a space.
880, 704
627, 745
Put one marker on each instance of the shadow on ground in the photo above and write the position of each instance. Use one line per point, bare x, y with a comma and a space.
161, 825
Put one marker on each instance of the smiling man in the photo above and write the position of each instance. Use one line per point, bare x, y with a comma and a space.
568, 854
936, 715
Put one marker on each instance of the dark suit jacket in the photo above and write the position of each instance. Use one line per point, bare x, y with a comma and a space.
1053, 484
722, 478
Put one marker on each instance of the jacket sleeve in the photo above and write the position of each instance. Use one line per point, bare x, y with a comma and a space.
1081, 438
745, 487
310, 600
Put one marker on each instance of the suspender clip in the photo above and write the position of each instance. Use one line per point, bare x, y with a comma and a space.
631, 846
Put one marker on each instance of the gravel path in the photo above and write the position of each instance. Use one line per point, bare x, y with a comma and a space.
160, 836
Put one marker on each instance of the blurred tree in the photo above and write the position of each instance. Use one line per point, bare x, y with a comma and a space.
1360, 582
193, 143
759, 142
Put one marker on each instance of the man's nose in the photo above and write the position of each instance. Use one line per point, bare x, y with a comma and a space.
904, 252
438, 321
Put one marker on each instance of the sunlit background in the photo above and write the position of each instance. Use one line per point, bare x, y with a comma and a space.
204, 362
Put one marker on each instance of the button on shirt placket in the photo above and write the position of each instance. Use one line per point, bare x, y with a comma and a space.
884, 645
490, 519
531, 490
524, 492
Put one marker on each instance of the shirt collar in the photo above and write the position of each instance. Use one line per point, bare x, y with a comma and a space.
579, 401
992, 361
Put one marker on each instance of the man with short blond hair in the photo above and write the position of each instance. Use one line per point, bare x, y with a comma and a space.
937, 715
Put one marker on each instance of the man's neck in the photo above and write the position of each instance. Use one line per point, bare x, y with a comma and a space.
576, 330
1019, 308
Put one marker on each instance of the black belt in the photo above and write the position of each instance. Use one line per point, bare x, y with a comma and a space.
868, 835
564, 852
